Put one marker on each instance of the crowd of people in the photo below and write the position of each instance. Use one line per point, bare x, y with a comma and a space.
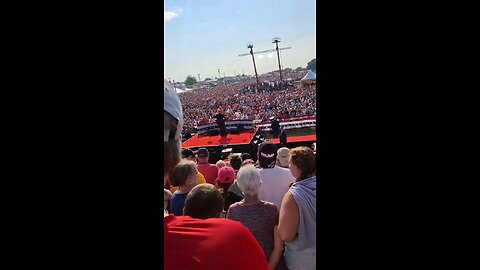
237, 213
247, 100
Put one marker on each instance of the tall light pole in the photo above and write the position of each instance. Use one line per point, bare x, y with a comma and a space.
276, 40
199, 77
250, 46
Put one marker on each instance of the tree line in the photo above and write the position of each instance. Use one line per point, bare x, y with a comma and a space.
312, 65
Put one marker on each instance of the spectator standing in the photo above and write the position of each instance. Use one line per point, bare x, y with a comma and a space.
283, 137
246, 156
297, 225
220, 164
275, 125
226, 177
183, 176
260, 217
282, 157
275, 180
235, 163
183, 236
189, 155
210, 171
204, 201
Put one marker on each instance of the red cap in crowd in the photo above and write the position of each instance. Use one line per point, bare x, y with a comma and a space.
226, 175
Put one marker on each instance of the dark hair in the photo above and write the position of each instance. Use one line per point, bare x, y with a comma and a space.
235, 162
246, 156
225, 188
203, 201
304, 159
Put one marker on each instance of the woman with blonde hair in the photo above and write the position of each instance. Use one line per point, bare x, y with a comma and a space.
297, 225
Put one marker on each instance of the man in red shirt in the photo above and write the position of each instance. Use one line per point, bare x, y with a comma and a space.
209, 171
190, 243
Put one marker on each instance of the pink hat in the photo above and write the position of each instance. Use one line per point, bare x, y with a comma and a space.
226, 175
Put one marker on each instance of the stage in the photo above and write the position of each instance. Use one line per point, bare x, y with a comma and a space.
209, 141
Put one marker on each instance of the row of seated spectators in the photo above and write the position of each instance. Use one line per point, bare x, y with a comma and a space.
247, 100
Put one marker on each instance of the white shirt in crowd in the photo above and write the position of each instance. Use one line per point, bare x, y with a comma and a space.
275, 182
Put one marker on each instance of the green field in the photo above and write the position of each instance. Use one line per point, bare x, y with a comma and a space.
294, 133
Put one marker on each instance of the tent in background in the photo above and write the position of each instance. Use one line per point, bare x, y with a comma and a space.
310, 77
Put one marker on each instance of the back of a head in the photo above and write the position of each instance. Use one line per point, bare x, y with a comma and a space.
203, 201
246, 156
203, 154
220, 164
249, 180
181, 171
282, 157
304, 159
267, 155
235, 162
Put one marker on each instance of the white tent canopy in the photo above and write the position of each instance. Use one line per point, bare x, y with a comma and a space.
310, 76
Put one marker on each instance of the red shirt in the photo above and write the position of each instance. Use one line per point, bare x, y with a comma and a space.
208, 244
210, 171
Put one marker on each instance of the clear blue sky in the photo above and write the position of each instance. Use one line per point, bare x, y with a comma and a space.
204, 35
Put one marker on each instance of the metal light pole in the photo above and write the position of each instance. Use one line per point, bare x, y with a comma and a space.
250, 46
276, 41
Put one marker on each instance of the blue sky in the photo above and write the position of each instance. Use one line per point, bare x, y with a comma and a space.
202, 36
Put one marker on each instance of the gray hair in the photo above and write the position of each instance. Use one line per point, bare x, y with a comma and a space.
249, 180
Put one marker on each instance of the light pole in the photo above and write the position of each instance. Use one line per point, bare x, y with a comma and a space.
198, 77
276, 41
250, 46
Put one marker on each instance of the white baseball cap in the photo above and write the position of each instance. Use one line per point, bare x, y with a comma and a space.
172, 105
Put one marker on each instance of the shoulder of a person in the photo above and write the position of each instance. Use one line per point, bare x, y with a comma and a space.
269, 204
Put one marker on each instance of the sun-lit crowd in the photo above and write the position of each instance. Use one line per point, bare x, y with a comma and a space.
240, 213
247, 100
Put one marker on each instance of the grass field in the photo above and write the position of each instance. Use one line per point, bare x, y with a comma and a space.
294, 133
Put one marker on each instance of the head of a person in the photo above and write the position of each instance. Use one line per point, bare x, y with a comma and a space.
184, 174
301, 162
235, 162
188, 154
246, 156
282, 157
220, 164
226, 176
248, 161
267, 155
203, 201
249, 181
172, 128
203, 155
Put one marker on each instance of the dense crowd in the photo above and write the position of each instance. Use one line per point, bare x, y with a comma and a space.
239, 214
247, 100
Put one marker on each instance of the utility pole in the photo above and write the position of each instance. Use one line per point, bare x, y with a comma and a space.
276, 41
250, 46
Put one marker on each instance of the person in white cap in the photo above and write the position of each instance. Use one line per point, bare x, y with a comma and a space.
191, 243
282, 157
